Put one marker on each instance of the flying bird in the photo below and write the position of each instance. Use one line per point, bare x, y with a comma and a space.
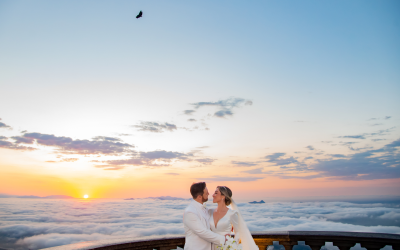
139, 15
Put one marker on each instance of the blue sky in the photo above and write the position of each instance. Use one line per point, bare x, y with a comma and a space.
301, 79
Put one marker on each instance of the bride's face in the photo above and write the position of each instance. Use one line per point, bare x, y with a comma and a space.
217, 196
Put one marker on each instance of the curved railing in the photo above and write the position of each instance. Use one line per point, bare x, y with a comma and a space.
289, 239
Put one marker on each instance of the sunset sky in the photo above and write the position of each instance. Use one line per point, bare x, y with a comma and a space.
270, 98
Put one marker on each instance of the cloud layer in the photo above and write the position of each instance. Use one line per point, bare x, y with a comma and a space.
35, 224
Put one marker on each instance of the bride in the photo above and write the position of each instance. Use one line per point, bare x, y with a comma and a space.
224, 219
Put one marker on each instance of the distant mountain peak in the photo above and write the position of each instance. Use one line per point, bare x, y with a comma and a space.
257, 202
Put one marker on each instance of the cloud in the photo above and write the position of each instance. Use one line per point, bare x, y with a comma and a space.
378, 140
4, 143
172, 174
25, 226
51, 239
310, 147
206, 161
366, 135
155, 127
338, 155
225, 106
254, 171
189, 112
308, 158
155, 158
116, 164
244, 163
69, 159
359, 149
167, 198
20, 139
223, 113
106, 138
228, 103
162, 154
276, 158
393, 144
218, 178
385, 118
109, 167
192, 120
381, 163
67, 145
3, 125
124, 134
353, 136
348, 143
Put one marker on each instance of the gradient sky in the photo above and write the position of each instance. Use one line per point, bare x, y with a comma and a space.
270, 98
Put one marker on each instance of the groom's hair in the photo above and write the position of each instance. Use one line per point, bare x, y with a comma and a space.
197, 189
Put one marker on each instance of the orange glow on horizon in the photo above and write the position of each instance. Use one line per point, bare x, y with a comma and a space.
141, 183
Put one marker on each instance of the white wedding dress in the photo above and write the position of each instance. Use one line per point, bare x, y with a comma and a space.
225, 224
233, 219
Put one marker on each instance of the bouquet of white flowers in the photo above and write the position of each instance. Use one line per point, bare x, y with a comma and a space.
230, 244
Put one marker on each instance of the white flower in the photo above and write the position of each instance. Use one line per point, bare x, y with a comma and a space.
230, 244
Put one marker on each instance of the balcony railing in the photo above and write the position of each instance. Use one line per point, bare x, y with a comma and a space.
289, 239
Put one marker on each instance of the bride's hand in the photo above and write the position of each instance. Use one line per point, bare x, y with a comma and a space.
227, 238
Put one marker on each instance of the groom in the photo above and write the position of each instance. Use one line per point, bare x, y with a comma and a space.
198, 235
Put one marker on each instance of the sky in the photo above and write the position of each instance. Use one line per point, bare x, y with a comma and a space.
23, 225
269, 98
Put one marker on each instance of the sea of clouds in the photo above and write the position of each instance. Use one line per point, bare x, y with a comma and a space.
41, 223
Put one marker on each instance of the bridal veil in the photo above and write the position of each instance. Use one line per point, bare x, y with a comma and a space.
244, 233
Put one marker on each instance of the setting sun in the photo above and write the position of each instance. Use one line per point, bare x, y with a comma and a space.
86, 196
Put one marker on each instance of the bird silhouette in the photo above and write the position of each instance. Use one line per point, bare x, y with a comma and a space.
139, 15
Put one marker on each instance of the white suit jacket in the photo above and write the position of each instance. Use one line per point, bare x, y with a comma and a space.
198, 235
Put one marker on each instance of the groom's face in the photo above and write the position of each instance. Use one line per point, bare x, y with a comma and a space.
205, 195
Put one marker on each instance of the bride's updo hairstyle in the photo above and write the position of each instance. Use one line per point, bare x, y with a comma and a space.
225, 191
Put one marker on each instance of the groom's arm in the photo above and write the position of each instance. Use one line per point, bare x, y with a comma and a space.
193, 222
